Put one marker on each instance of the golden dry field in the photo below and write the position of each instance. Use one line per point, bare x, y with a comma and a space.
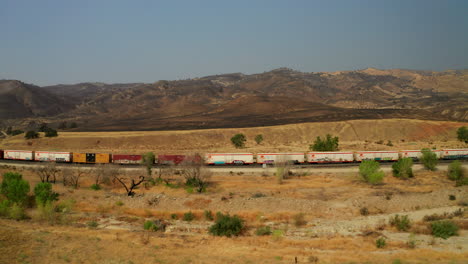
316, 217
353, 135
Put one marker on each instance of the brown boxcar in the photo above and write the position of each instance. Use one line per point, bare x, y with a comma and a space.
1, 154
126, 159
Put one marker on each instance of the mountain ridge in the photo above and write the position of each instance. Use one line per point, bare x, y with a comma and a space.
279, 96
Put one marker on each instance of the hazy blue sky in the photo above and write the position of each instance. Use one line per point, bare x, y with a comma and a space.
50, 42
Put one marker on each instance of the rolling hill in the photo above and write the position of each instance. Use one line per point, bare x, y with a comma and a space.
280, 96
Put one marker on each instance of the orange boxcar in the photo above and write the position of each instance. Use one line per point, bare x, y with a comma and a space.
91, 157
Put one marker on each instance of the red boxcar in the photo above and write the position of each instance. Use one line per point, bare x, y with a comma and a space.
170, 159
126, 159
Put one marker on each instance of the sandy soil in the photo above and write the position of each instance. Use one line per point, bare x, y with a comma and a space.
333, 231
354, 135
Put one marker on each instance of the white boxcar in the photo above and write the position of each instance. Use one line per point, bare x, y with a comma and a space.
416, 154
454, 153
324, 157
19, 154
229, 158
376, 155
52, 156
270, 158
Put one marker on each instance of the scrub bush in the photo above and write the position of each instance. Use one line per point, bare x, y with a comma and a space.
403, 168
370, 171
226, 225
429, 159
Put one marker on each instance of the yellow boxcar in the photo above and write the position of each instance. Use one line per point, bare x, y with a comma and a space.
79, 157
102, 158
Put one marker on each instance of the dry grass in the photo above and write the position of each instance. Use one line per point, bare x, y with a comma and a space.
354, 135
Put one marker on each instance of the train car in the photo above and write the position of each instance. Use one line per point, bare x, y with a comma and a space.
326, 157
91, 157
126, 159
229, 158
271, 158
171, 159
454, 154
52, 156
376, 155
18, 155
413, 154
1, 154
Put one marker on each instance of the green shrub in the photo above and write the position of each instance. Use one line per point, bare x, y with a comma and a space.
50, 132
462, 134
444, 229
119, 203
148, 161
16, 212
389, 143
174, 216
14, 187
4, 208
208, 215
402, 223
263, 231
31, 135
463, 181
43, 193
364, 211
429, 159
327, 144
238, 140
150, 225
92, 224
259, 138
370, 171
65, 206
96, 187
380, 242
403, 168
16, 132
226, 225
455, 171
48, 212
189, 216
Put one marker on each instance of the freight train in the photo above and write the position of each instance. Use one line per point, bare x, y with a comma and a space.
230, 158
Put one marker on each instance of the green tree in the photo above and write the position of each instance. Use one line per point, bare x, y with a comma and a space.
429, 159
403, 168
148, 161
31, 134
462, 134
50, 132
329, 143
370, 171
239, 140
43, 193
259, 138
14, 187
16, 132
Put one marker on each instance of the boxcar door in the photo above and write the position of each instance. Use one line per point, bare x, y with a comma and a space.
90, 157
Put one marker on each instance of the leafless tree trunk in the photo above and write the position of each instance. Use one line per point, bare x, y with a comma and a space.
133, 184
71, 176
103, 173
195, 173
47, 172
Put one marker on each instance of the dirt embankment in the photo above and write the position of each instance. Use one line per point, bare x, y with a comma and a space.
354, 135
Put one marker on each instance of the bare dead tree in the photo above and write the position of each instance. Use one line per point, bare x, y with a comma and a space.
71, 176
47, 172
103, 173
133, 184
283, 168
195, 173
